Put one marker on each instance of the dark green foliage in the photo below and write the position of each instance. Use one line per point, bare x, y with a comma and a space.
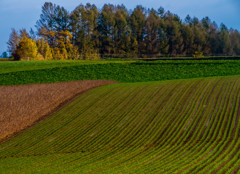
53, 18
106, 29
114, 31
137, 23
152, 35
173, 33
4, 55
83, 26
137, 71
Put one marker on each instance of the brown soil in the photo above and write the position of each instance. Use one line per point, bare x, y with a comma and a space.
23, 106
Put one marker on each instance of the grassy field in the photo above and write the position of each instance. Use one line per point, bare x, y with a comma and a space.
179, 126
14, 73
15, 66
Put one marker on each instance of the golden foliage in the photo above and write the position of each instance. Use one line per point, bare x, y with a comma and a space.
44, 49
198, 54
27, 49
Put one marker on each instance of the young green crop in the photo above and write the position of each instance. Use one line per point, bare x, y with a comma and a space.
14, 73
158, 127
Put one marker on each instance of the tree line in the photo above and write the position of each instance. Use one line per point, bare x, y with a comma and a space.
115, 31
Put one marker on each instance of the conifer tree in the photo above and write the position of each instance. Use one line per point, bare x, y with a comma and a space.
137, 23
115, 31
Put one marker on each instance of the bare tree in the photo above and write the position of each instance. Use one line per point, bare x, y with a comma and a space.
13, 42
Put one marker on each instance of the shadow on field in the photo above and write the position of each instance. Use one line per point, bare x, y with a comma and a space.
178, 63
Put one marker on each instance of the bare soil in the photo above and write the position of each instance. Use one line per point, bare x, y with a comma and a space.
23, 106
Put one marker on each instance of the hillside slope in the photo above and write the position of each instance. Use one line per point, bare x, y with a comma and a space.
183, 126
22, 106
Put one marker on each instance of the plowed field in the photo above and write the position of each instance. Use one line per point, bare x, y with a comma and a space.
22, 106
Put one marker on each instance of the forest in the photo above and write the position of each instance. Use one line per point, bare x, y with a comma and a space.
117, 32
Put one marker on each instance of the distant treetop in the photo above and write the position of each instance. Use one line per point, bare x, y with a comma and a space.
115, 31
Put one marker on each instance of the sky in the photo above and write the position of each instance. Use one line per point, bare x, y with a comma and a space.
20, 14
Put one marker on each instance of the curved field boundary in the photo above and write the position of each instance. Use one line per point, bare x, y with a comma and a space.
182, 126
26, 105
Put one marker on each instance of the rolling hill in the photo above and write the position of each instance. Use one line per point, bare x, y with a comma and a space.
178, 126
22, 106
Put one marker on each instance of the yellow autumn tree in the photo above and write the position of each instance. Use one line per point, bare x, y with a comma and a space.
27, 50
74, 53
44, 49
63, 41
60, 44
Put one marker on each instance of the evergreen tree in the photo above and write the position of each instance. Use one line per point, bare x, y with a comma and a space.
83, 22
122, 32
106, 25
61, 19
48, 17
174, 34
225, 45
200, 42
137, 23
152, 34
188, 40
235, 41
4, 55
114, 31
213, 39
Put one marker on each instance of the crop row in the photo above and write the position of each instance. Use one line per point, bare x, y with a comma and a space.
182, 126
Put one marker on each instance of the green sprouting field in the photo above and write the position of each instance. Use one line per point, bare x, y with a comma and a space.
25, 72
16, 66
178, 126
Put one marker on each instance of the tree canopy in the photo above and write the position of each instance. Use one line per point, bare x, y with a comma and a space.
115, 31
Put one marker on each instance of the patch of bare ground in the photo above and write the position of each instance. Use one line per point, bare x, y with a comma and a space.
23, 106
